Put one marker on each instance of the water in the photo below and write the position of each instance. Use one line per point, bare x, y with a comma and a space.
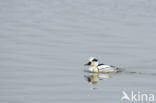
44, 44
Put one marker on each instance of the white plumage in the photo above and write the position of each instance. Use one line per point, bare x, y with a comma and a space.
94, 66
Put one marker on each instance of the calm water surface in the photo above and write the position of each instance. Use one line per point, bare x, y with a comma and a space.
44, 44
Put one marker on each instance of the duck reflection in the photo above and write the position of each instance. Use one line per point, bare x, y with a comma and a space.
93, 78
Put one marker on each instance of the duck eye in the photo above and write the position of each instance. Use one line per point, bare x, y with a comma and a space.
95, 60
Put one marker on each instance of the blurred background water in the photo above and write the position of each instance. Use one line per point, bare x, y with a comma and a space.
44, 44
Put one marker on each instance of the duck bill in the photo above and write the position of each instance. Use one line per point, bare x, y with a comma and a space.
87, 64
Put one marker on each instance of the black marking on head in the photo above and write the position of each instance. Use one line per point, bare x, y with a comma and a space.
89, 63
95, 60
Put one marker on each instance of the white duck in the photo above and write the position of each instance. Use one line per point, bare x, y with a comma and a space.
95, 67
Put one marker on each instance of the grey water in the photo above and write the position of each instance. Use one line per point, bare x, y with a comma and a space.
44, 44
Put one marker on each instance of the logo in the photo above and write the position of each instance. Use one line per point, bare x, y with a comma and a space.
137, 96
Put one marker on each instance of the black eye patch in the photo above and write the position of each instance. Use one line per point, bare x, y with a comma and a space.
89, 63
95, 60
